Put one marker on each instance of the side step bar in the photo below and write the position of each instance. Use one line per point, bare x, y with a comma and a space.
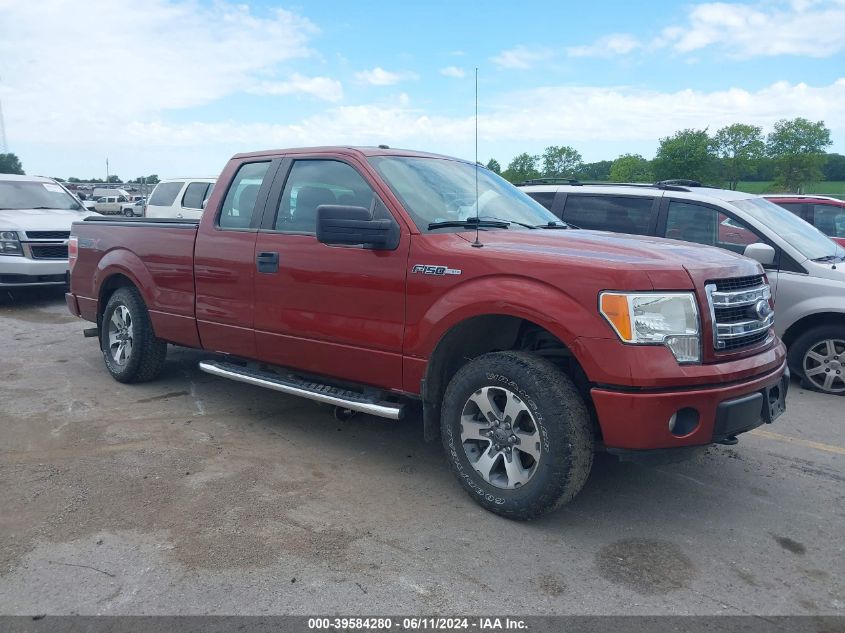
305, 389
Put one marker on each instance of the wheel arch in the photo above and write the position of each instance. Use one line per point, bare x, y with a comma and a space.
490, 332
810, 321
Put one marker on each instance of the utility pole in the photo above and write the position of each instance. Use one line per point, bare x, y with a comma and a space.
107, 169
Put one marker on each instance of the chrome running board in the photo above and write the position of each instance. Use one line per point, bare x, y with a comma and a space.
295, 386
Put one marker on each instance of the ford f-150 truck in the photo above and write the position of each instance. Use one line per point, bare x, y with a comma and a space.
371, 278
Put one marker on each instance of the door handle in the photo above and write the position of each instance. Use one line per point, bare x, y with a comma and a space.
267, 262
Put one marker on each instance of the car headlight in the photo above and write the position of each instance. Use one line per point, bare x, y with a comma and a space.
9, 243
656, 318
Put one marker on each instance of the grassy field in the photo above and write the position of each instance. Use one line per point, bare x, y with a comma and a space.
825, 187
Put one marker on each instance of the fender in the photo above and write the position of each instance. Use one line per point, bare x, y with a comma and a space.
791, 315
534, 300
125, 262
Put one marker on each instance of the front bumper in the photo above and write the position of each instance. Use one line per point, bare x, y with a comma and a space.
23, 271
640, 420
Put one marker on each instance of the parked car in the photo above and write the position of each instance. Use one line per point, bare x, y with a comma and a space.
372, 279
110, 205
804, 266
133, 208
35, 218
825, 213
105, 192
180, 198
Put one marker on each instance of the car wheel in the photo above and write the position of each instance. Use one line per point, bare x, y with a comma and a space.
130, 348
128, 213
517, 434
818, 357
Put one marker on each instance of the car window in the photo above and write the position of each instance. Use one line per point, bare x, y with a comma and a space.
165, 193
703, 225
239, 205
793, 207
619, 214
194, 195
829, 219
312, 183
546, 198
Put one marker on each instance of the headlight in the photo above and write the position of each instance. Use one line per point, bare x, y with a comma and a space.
9, 243
654, 318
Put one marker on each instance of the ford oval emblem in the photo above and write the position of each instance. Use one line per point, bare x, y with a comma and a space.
762, 309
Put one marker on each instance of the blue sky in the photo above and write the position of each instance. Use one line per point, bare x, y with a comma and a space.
175, 87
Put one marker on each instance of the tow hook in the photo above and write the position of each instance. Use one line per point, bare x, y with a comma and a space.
91, 332
729, 441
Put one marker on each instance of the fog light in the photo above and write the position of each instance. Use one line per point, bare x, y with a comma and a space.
683, 422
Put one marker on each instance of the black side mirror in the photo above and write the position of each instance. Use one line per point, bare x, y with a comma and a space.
339, 224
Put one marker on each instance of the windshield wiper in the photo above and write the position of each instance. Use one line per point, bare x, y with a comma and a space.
469, 223
553, 225
829, 258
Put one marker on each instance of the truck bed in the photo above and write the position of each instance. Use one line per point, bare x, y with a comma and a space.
157, 252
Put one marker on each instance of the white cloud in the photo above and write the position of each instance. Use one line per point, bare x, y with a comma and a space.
453, 71
577, 114
83, 71
803, 27
607, 46
378, 76
323, 88
521, 57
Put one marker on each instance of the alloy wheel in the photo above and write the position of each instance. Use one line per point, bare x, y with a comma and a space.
824, 365
121, 335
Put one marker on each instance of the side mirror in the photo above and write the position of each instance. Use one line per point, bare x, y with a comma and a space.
763, 253
339, 224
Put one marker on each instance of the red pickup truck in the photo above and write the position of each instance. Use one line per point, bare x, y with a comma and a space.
373, 279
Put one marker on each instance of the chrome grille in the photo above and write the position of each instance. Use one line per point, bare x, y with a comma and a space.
740, 311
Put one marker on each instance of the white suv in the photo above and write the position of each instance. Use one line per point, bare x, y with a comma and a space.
806, 269
35, 218
179, 198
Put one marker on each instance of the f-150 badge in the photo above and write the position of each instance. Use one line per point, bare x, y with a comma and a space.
426, 269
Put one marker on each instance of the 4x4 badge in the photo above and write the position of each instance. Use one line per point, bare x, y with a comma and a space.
426, 269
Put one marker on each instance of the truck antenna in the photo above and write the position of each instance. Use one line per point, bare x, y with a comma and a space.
476, 243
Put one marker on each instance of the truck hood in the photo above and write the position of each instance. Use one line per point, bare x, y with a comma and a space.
666, 263
40, 219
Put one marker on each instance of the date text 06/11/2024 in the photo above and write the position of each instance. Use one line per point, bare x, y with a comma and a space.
416, 623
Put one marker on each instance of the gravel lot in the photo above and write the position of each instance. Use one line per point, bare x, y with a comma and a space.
194, 494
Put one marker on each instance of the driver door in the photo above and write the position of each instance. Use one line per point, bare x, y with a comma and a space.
333, 310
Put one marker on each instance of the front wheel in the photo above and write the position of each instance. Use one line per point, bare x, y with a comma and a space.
818, 356
130, 348
517, 434
128, 213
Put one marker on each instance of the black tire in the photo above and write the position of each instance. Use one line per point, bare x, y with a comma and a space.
814, 338
147, 353
556, 410
128, 213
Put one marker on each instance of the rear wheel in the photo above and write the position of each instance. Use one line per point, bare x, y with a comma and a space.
818, 356
128, 213
517, 434
130, 348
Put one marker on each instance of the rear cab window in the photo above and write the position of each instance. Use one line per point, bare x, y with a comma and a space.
240, 202
619, 214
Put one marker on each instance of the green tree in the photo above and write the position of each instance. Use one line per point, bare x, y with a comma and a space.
600, 170
494, 166
561, 161
152, 179
522, 167
631, 168
834, 167
10, 164
115, 179
74, 179
685, 154
739, 147
797, 146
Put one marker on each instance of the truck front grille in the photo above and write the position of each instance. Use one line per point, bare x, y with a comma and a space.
48, 235
48, 251
740, 310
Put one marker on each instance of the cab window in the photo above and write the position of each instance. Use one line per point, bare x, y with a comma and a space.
312, 183
239, 205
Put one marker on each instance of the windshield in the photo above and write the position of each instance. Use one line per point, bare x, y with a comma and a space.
436, 190
802, 236
28, 194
